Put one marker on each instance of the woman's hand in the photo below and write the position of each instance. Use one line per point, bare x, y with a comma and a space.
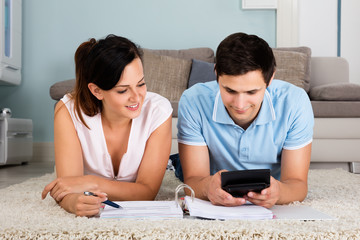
82, 205
62, 186
267, 197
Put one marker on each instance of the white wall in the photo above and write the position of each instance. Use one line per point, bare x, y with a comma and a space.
318, 26
53, 29
350, 37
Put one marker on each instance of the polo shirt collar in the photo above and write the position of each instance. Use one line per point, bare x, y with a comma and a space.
266, 114
220, 114
267, 111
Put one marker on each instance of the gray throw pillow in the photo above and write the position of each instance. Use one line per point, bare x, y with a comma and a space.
336, 92
291, 67
201, 72
166, 75
305, 63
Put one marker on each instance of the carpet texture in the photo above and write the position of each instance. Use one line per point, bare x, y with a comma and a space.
24, 215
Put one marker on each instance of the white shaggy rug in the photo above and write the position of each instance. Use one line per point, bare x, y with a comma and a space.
23, 215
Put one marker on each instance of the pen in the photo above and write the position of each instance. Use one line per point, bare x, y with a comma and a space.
108, 202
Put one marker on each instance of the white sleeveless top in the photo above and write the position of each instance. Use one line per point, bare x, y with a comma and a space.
97, 160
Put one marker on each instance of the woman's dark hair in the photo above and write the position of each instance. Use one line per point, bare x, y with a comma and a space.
240, 53
102, 63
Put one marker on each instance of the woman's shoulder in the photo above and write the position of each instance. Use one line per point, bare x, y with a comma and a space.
155, 108
66, 100
152, 96
154, 100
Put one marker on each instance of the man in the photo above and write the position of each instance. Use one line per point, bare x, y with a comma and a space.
245, 120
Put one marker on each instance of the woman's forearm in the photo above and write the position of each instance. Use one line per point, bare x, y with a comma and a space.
125, 191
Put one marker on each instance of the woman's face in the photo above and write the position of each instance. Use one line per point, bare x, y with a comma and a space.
125, 100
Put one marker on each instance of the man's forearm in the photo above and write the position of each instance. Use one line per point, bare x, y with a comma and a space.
200, 186
292, 190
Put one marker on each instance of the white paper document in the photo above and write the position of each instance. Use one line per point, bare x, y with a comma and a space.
205, 209
143, 209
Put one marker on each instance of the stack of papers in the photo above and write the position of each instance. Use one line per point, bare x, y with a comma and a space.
143, 209
205, 209
198, 208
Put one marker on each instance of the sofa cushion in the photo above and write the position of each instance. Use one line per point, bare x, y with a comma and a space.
203, 54
293, 65
336, 92
201, 72
166, 75
59, 89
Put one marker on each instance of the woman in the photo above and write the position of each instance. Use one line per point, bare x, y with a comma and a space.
111, 137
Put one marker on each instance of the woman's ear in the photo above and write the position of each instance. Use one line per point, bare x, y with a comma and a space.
96, 91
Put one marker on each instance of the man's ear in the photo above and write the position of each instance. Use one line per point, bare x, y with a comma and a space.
217, 77
272, 77
96, 91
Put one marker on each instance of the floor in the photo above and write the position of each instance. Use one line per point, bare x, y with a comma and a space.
13, 174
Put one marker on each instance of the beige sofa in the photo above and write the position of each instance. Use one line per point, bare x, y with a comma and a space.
335, 101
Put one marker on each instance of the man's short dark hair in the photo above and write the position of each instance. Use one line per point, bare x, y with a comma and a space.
241, 53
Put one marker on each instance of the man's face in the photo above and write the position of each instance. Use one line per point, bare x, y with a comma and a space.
242, 96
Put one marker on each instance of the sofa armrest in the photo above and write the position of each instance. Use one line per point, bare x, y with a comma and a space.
327, 70
59, 89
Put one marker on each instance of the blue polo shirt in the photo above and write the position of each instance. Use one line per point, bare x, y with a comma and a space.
285, 121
